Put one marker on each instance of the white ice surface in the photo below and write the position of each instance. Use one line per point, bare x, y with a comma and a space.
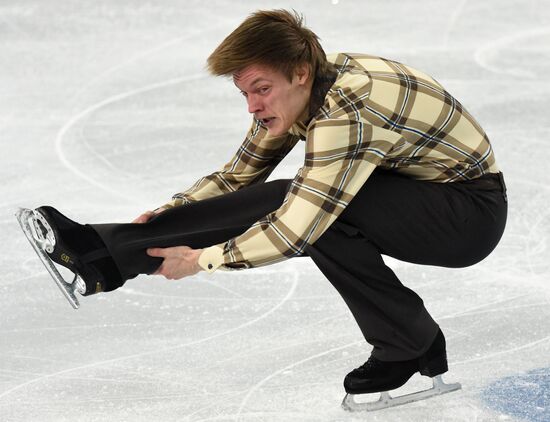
106, 110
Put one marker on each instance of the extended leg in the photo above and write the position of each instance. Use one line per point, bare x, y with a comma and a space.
197, 225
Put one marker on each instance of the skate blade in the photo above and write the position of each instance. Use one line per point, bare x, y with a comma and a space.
25, 217
385, 400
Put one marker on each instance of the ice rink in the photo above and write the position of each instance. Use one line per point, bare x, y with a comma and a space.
106, 110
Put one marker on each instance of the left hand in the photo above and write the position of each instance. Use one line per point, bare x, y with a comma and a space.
179, 261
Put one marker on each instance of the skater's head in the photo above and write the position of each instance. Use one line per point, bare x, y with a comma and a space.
273, 60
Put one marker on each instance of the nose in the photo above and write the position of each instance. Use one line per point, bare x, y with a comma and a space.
254, 103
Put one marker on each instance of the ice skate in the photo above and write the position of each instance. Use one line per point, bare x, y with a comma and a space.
59, 240
376, 376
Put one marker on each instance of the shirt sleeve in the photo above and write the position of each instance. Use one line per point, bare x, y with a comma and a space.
253, 162
340, 156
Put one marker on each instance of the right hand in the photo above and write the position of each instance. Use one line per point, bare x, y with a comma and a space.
146, 216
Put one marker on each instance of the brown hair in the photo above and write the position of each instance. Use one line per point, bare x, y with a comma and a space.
275, 38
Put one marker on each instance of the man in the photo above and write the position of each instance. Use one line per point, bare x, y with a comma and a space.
394, 165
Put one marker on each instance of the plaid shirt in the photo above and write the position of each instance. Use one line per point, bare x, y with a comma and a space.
378, 113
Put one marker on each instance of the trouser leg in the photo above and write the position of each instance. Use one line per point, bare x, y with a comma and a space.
391, 317
197, 225
414, 221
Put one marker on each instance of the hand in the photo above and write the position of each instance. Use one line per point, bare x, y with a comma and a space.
146, 216
179, 261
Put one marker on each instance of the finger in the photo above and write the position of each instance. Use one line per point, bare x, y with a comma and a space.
141, 219
180, 249
174, 251
145, 217
158, 252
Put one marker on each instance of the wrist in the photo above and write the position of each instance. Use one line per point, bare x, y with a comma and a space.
197, 266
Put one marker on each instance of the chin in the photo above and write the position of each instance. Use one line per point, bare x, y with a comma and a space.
273, 133
277, 131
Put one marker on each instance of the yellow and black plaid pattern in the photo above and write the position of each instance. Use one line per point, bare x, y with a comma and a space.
378, 112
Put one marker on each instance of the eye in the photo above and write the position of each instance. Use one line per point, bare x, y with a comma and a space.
264, 90
244, 94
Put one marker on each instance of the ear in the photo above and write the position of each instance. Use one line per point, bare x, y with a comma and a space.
302, 73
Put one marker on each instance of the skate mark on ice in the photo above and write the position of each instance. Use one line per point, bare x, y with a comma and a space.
132, 291
143, 55
28, 277
237, 295
118, 325
125, 372
94, 107
292, 289
130, 398
466, 312
225, 289
118, 97
502, 352
286, 368
114, 171
19, 374
253, 351
482, 55
257, 416
545, 305
452, 22
534, 237
15, 28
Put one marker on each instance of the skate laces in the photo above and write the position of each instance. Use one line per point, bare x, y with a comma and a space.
370, 364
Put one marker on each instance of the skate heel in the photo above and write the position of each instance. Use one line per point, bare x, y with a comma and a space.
434, 366
434, 361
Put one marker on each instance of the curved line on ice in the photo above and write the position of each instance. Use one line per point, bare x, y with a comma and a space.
452, 23
109, 100
274, 374
145, 54
481, 55
502, 352
167, 349
118, 97
292, 416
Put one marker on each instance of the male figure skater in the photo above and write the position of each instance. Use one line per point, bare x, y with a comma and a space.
394, 165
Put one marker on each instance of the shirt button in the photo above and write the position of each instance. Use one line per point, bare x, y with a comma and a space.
209, 266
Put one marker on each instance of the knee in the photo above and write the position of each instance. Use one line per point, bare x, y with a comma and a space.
280, 186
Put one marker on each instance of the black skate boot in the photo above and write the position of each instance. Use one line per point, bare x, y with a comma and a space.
380, 376
376, 375
80, 249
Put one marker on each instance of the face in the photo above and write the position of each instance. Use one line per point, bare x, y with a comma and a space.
273, 100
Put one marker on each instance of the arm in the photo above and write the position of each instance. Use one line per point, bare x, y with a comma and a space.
253, 162
340, 156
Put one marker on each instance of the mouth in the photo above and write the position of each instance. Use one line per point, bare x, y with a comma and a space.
267, 121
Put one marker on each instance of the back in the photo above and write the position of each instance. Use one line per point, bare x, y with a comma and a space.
440, 140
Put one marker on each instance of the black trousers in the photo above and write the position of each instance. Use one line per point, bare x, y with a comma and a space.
442, 224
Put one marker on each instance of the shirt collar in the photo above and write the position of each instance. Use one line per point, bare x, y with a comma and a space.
321, 85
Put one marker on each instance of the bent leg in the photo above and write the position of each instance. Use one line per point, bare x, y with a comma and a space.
444, 224
391, 316
451, 225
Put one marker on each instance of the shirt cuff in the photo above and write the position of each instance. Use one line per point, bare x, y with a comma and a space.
211, 258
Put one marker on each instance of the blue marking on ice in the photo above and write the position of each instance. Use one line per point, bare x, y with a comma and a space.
524, 396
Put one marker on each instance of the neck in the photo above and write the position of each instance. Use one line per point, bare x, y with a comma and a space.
319, 89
